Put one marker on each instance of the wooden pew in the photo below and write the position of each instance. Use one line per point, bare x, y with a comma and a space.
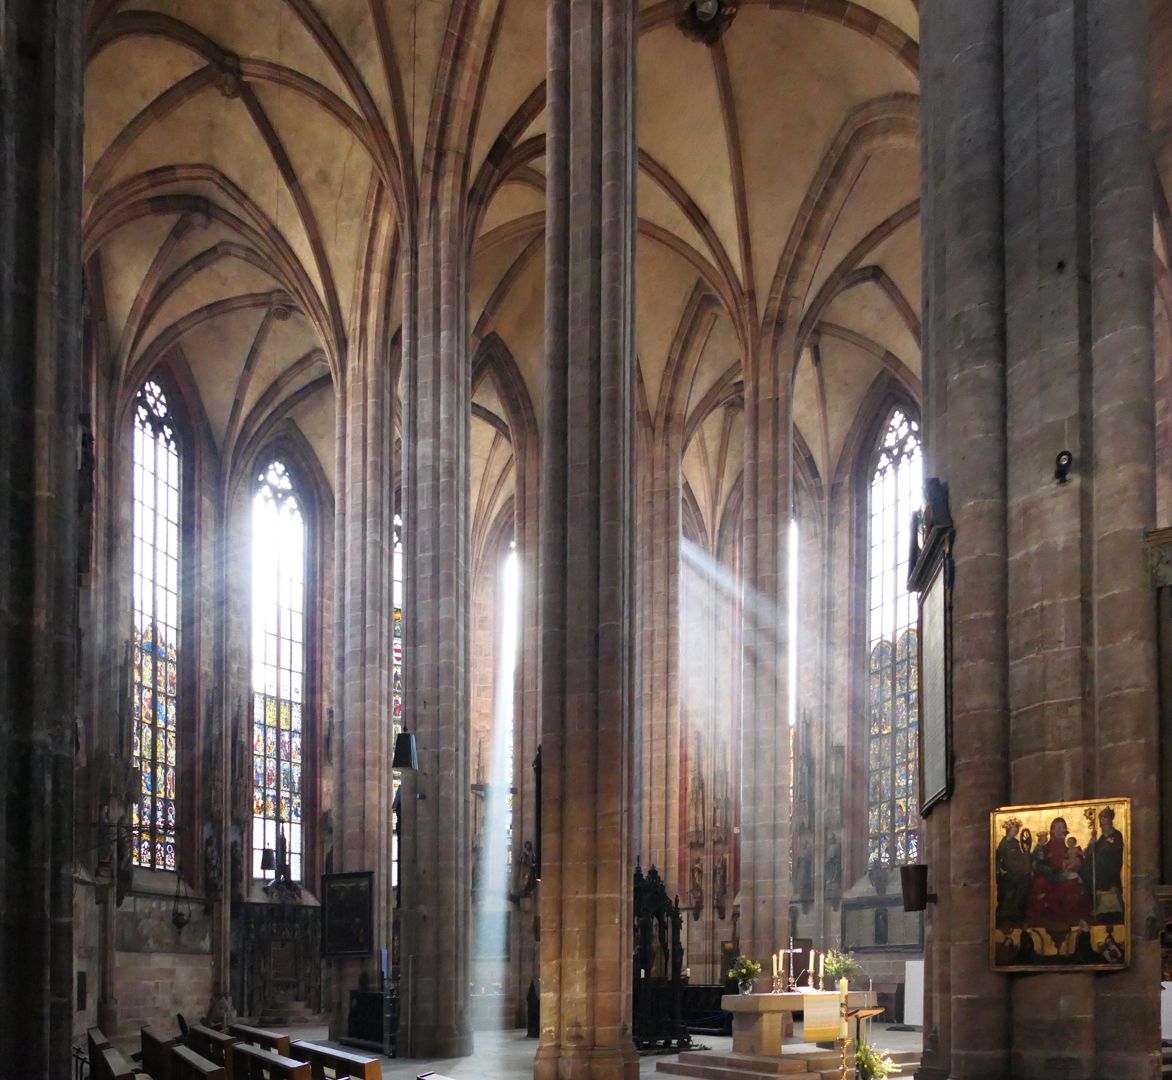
275, 1041
156, 1053
213, 1045
186, 1064
111, 1065
95, 1043
255, 1063
325, 1062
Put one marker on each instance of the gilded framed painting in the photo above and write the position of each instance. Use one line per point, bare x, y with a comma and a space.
1060, 886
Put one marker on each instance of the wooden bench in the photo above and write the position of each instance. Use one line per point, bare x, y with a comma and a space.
156, 1053
213, 1045
270, 1040
325, 1062
256, 1063
111, 1065
186, 1064
95, 1042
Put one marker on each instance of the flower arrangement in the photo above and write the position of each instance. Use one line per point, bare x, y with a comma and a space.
744, 970
872, 1064
840, 965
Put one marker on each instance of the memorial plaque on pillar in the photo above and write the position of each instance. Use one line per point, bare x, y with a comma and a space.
347, 902
930, 574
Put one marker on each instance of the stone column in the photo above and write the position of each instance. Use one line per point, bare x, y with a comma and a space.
1080, 378
224, 729
1125, 716
964, 420
659, 551
1038, 320
436, 835
587, 699
765, 731
364, 501
41, 61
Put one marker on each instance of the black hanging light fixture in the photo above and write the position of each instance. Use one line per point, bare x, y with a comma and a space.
913, 880
181, 908
406, 756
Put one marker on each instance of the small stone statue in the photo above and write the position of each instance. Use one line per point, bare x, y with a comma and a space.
696, 888
527, 871
212, 875
237, 857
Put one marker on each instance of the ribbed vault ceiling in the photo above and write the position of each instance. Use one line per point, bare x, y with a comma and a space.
249, 162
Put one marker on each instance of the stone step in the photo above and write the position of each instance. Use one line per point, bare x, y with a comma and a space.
823, 1060
770, 1066
285, 1013
716, 1072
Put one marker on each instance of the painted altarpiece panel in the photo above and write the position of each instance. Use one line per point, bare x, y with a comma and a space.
1060, 886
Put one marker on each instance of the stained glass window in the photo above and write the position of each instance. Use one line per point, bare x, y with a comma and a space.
278, 667
893, 715
791, 623
396, 674
155, 627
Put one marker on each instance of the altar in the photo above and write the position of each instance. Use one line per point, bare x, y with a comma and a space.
760, 1020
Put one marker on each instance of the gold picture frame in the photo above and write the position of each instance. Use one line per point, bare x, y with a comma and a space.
1060, 886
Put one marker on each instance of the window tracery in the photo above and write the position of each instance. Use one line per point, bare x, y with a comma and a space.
278, 668
396, 682
155, 627
893, 654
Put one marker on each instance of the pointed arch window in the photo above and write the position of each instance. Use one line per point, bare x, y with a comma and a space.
155, 626
893, 654
396, 684
278, 668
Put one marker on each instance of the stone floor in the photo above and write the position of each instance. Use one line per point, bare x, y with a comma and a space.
508, 1055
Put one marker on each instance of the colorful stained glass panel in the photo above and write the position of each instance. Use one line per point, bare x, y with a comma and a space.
278, 656
892, 703
154, 624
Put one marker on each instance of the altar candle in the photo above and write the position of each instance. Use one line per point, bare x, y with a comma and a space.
821, 965
775, 965
844, 1029
812, 954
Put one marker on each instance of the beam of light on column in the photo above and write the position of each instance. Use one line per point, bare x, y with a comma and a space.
492, 914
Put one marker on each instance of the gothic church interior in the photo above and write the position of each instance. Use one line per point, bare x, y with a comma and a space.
554, 382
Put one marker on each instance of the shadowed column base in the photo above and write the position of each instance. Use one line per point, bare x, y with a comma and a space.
439, 1041
586, 1063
